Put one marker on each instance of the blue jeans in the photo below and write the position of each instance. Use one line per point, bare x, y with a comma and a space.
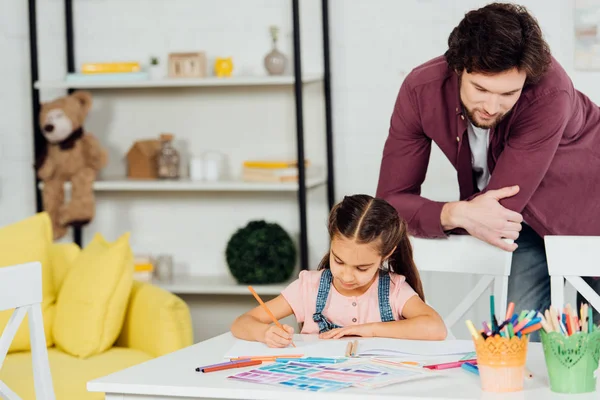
529, 282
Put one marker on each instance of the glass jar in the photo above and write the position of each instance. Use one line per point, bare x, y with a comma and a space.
168, 158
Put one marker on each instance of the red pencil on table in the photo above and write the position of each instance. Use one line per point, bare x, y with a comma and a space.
231, 366
453, 364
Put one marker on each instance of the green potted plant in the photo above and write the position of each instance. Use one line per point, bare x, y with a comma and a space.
155, 69
261, 253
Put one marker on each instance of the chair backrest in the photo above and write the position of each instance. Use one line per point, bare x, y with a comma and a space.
21, 289
465, 254
570, 258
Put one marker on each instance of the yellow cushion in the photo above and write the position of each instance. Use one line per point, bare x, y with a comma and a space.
25, 241
169, 315
93, 298
62, 257
69, 374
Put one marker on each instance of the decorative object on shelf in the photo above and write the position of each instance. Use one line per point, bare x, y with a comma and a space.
71, 155
275, 61
142, 159
223, 66
274, 171
143, 268
196, 169
210, 166
155, 69
187, 65
586, 16
214, 165
167, 158
110, 67
164, 267
261, 253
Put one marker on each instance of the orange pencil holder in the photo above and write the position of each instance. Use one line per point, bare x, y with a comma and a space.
501, 363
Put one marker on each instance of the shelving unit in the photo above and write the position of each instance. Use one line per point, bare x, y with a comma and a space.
295, 82
186, 185
211, 285
181, 82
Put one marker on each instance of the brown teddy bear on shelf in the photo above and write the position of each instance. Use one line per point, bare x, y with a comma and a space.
71, 155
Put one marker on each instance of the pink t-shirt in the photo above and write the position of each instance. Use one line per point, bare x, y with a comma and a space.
341, 310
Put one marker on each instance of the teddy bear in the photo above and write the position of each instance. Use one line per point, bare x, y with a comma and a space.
71, 155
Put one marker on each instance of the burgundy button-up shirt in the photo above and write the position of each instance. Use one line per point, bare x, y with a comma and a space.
549, 145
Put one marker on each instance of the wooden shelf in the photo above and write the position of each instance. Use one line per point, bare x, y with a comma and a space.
186, 185
195, 284
286, 80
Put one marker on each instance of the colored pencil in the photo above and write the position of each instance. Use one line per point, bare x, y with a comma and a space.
493, 314
264, 306
354, 349
199, 369
348, 349
266, 358
470, 367
231, 366
448, 365
510, 310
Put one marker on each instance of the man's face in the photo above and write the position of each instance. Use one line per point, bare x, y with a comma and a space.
487, 98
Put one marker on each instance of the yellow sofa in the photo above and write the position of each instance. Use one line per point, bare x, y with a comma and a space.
156, 322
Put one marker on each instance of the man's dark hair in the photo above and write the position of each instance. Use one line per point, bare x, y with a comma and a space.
497, 38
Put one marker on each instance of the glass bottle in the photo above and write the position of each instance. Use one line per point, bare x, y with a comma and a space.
168, 158
275, 61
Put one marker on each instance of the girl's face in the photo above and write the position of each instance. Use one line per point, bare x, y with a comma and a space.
354, 266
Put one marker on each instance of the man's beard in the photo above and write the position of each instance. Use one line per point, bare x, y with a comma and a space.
471, 116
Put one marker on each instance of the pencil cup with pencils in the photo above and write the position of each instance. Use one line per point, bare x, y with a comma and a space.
572, 351
502, 348
501, 362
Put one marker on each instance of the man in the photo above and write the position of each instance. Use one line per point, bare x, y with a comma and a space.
524, 142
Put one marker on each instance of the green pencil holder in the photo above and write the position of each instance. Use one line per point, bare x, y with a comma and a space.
572, 360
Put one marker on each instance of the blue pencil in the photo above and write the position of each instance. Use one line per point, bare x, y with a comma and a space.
470, 367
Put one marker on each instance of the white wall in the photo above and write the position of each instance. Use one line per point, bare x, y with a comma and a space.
372, 49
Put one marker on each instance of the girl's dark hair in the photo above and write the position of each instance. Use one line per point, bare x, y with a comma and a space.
367, 219
497, 38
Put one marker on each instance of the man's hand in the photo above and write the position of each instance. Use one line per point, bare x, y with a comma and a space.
484, 218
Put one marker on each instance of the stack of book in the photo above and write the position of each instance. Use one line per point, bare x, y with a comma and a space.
108, 71
273, 171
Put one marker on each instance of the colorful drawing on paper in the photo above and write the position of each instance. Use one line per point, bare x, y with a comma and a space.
327, 378
587, 34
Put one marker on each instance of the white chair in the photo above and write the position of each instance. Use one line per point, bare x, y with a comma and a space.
570, 258
21, 289
465, 254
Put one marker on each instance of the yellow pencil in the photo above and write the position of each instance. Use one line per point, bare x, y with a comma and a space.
472, 330
264, 306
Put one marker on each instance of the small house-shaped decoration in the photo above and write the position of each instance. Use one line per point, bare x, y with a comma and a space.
142, 159
187, 65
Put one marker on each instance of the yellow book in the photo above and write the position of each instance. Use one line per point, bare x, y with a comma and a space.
110, 67
273, 164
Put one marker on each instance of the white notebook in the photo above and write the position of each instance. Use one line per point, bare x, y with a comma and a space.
382, 347
311, 346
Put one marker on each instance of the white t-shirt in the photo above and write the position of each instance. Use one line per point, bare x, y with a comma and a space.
479, 140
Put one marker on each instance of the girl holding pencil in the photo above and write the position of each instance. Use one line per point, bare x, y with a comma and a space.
367, 285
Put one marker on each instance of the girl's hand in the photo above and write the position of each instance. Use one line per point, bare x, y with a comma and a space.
363, 330
277, 337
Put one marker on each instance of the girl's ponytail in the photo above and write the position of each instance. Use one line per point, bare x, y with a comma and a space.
401, 262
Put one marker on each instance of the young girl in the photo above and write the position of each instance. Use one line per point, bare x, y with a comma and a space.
367, 285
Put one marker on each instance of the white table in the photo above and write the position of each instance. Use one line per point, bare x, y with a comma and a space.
174, 377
